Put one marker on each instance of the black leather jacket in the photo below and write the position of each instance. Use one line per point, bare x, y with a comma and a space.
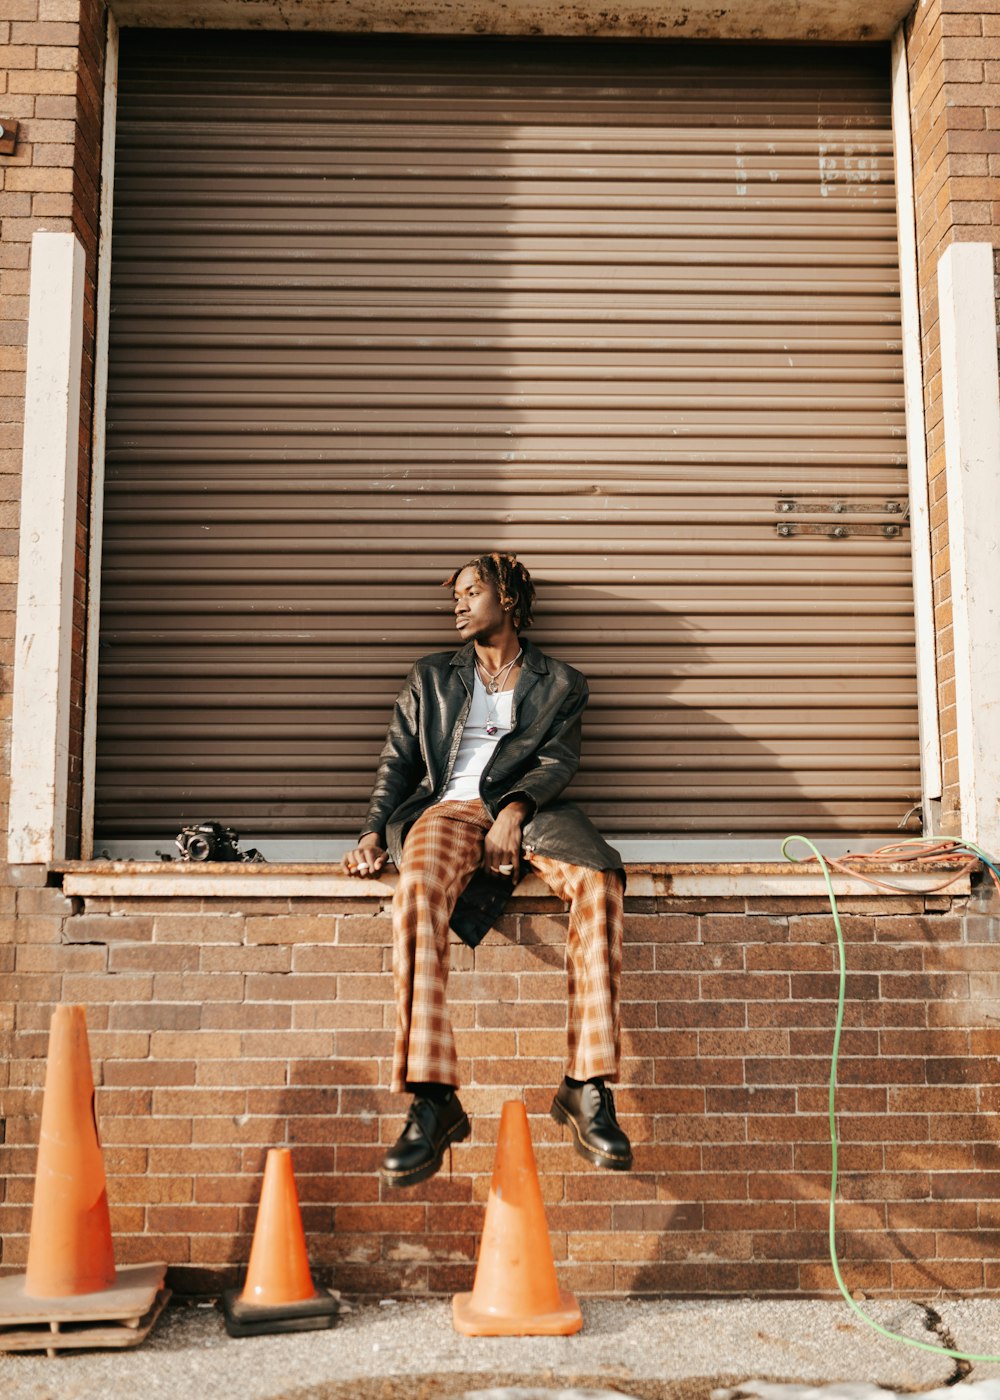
534, 762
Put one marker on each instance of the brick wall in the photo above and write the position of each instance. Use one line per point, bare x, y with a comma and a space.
51, 82
221, 1028
953, 49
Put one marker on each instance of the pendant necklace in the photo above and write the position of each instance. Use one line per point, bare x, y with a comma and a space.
493, 682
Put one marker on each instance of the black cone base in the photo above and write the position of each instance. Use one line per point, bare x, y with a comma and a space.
253, 1320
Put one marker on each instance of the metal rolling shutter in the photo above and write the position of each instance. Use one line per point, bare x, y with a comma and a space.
628, 310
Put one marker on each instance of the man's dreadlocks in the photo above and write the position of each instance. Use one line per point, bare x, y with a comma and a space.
510, 579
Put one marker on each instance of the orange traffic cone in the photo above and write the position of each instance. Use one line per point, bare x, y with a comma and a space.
71, 1282
515, 1293
70, 1248
278, 1295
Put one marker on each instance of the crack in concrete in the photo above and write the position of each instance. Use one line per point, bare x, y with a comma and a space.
936, 1324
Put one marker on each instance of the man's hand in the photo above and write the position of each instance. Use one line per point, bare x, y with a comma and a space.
367, 859
502, 846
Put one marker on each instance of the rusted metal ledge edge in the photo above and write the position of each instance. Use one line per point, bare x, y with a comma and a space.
153, 879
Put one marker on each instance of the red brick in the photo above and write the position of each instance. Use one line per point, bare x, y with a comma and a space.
961, 25
285, 1045
26, 32
143, 957
940, 1274
661, 928
542, 928
107, 988
148, 1189
853, 1043
290, 987
239, 1016
727, 928
867, 1279
194, 1045
355, 929
192, 1219
961, 70
330, 1015
766, 957
228, 958
196, 1162
201, 987
471, 1043
146, 1131
32, 900
51, 205
33, 957
156, 1071
400, 1218
155, 1015
108, 928
333, 958
750, 1099
206, 1250
290, 929
198, 930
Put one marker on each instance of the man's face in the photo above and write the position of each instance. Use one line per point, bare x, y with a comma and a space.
478, 614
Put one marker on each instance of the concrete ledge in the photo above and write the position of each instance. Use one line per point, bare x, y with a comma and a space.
143, 879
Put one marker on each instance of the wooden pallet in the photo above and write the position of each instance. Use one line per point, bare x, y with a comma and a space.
120, 1316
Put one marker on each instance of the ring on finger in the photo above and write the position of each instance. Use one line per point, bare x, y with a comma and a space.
506, 869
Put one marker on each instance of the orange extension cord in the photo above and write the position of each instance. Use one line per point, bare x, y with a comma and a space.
917, 852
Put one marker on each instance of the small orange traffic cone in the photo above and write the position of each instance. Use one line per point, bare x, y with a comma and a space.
71, 1282
515, 1293
278, 1295
70, 1249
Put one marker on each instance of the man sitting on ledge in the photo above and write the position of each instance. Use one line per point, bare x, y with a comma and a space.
466, 799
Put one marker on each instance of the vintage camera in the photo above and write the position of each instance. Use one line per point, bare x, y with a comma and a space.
212, 841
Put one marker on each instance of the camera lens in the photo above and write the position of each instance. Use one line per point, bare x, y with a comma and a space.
199, 848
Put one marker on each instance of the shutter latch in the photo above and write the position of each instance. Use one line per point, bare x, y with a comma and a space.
840, 529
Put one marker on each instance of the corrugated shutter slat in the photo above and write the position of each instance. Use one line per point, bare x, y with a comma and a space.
379, 305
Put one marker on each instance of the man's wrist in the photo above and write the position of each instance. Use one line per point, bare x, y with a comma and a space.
370, 838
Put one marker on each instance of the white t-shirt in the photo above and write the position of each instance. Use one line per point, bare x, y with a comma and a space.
477, 742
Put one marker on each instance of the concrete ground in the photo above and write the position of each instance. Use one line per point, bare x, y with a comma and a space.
646, 1350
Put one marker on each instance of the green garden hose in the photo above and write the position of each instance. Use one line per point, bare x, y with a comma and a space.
885, 1332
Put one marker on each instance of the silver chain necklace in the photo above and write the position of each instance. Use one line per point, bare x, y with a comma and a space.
491, 686
496, 680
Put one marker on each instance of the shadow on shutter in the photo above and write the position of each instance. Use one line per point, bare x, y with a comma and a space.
380, 305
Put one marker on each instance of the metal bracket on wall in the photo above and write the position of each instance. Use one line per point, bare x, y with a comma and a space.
842, 528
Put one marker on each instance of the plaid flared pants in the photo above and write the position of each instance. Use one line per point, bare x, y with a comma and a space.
443, 849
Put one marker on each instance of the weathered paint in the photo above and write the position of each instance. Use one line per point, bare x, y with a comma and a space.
143, 879
43, 635
971, 401
837, 20
916, 442
108, 140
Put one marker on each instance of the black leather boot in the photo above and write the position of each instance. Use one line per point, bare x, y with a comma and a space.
589, 1111
419, 1150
